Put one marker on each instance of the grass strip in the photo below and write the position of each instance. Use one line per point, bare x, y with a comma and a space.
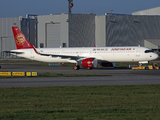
81, 103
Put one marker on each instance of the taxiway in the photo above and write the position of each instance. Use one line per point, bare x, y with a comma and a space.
118, 76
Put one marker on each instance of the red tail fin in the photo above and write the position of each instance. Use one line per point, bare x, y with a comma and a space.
20, 40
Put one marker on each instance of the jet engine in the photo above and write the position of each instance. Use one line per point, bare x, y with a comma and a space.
88, 63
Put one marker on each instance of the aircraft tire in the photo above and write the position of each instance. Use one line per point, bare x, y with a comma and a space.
89, 68
76, 67
146, 68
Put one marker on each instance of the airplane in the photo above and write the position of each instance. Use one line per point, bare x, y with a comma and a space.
86, 57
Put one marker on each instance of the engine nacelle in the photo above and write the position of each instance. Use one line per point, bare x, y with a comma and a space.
89, 63
107, 64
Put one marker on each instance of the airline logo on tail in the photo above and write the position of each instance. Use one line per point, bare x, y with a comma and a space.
20, 39
16, 28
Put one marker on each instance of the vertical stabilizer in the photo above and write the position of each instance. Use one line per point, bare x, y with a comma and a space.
20, 40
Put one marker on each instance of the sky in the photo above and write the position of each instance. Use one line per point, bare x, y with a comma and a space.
16, 8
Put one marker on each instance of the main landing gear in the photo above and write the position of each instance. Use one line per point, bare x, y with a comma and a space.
89, 68
76, 67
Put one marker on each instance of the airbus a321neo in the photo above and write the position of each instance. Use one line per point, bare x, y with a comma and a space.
86, 57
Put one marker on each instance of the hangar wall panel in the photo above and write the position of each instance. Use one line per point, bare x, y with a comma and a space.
81, 30
6, 36
100, 31
124, 30
7, 44
150, 45
6, 25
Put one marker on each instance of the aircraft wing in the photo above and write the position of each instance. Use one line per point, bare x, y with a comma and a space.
63, 56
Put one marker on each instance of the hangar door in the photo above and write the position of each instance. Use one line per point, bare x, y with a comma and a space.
53, 35
6, 44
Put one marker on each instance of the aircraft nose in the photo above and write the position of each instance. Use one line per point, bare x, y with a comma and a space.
155, 56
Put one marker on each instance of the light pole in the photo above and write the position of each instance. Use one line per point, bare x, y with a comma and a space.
70, 5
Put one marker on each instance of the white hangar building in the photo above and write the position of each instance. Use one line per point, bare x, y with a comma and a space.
152, 43
66, 30
83, 30
151, 11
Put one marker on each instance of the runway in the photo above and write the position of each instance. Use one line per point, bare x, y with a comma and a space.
118, 76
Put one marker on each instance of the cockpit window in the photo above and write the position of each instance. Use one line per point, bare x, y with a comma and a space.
147, 51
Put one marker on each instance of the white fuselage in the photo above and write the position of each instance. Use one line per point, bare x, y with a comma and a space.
110, 54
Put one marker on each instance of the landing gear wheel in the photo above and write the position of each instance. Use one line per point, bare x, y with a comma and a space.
146, 68
89, 68
76, 67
